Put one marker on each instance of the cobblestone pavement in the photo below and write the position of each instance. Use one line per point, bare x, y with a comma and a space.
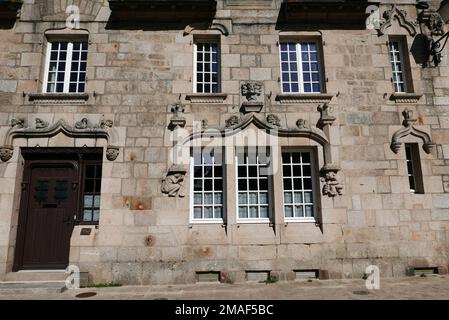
429, 287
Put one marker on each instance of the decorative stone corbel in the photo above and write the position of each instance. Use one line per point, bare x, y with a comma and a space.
177, 120
409, 129
333, 185
173, 182
252, 94
326, 119
401, 17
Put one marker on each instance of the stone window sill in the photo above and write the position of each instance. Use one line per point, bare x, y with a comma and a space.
288, 98
58, 98
405, 97
207, 97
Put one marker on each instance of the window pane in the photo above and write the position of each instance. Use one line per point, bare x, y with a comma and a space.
208, 198
243, 199
197, 213
208, 213
263, 212
243, 212
198, 198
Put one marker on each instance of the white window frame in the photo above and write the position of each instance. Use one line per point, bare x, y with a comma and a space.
68, 65
269, 191
195, 60
314, 187
192, 220
402, 63
299, 65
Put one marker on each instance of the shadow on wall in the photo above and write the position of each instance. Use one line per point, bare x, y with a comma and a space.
161, 16
329, 15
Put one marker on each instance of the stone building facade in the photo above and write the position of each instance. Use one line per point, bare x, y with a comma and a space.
88, 175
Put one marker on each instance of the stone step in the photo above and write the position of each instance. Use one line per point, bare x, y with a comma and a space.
31, 287
40, 276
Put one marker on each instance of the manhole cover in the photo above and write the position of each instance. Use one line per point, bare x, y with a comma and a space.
361, 293
86, 295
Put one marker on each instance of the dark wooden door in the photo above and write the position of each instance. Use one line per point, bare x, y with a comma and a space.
48, 207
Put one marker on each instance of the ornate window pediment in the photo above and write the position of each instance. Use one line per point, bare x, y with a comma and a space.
81, 129
401, 17
409, 129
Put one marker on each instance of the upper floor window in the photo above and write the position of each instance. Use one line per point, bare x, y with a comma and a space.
66, 67
400, 67
253, 184
207, 179
298, 183
207, 66
301, 70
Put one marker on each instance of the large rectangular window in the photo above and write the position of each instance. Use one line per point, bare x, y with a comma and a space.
253, 184
414, 171
300, 67
298, 183
207, 179
207, 67
399, 66
91, 191
66, 67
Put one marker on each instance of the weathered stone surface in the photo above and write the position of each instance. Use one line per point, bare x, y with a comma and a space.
135, 75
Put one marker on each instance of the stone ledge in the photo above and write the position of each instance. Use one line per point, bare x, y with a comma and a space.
288, 98
405, 97
207, 97
58, 98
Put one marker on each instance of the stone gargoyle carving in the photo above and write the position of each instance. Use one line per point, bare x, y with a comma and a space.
82, 124
333, 186
41, 124
6, 153
19, 123
273, 120
232, 121
112, 152
251, 90
173, 183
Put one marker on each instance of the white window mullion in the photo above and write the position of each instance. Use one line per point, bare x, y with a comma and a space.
68, 66
300, 70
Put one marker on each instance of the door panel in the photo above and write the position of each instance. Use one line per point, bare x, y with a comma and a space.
50, 209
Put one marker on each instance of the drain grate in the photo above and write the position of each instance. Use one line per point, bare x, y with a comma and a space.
85, 295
